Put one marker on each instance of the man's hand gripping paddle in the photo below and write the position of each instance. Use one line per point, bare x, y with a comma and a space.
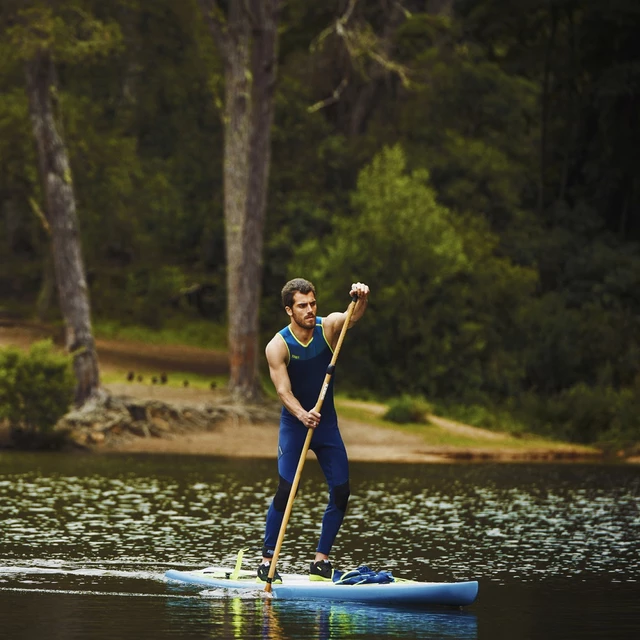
307, 442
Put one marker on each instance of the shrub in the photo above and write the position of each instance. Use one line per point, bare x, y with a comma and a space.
599, 415
408, 409
36, 388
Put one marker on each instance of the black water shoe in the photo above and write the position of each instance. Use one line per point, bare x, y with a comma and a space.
263, 574
321, 571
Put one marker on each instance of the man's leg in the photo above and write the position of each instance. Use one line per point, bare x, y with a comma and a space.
291, 441
332, 456
275, 515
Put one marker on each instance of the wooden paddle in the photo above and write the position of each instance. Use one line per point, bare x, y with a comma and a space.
307, 442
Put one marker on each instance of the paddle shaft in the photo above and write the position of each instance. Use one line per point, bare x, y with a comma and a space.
305, 447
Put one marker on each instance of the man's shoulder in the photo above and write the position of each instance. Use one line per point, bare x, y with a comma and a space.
282, 336
277, 343
330, 324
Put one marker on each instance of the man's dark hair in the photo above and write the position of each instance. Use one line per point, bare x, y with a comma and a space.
294, 286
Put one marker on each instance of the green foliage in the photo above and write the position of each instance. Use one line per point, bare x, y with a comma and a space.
584, 327
17, 165
437, 288
304, 195
151, 290
71, 32
407, 409
139, 296
587, 414
490, 201
487, 414
36, 388
469, 121
403, 244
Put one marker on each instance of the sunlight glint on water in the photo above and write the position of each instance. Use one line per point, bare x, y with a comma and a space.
459, 529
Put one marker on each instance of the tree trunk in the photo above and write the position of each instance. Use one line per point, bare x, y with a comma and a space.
249, 48
61, 214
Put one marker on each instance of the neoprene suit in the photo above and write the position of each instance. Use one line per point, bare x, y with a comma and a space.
307, 367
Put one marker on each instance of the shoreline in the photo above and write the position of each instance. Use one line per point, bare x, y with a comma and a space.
239, 438
238, 434
244, 444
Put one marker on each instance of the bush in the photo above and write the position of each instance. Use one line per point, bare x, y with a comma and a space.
408, 409
598, 415
36, 388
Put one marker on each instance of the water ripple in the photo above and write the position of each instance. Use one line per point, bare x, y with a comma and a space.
429, 523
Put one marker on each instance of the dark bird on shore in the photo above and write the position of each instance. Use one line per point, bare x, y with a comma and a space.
185, 383
213, 385
163, 378
130, 376
154, 380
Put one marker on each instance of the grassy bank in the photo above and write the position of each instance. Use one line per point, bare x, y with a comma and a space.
443, 433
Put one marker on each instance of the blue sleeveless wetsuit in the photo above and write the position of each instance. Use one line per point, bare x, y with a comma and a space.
307, 368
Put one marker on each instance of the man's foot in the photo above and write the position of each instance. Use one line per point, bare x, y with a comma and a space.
263, 574
321, 571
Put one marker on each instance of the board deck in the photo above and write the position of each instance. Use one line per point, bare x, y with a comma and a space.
299, 587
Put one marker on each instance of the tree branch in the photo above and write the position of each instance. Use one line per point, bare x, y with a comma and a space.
335, 96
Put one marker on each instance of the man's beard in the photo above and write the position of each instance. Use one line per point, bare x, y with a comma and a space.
306, 323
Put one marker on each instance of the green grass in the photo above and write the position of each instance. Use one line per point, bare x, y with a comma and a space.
486, 417
175, 379
434, 435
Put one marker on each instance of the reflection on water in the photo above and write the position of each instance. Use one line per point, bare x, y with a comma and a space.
76, 530
79, 598
259, 618
351, 620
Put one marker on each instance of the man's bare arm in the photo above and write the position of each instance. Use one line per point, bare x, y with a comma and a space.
334, 322
277, 353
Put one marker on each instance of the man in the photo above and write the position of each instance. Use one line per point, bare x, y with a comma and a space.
298, 357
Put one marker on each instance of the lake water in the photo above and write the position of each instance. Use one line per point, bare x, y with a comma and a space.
85, 541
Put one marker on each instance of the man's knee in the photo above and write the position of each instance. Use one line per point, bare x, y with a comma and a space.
341, 495
282, 495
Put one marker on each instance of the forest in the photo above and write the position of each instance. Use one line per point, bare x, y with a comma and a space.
475, 162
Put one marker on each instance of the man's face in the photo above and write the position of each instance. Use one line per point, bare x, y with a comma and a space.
303, 312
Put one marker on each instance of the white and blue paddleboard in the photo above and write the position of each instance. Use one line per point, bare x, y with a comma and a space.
299, 587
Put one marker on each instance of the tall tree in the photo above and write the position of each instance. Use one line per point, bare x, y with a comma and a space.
246, 36
63, 220
36, 32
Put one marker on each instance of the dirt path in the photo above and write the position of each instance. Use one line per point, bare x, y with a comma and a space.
259, 440
246, 440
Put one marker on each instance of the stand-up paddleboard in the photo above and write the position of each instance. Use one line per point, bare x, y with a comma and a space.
299, 587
